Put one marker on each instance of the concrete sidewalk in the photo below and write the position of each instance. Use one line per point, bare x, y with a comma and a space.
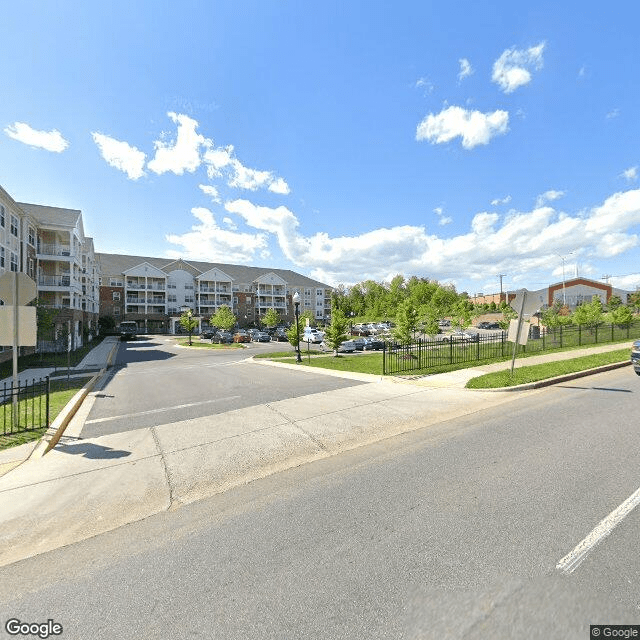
86, 487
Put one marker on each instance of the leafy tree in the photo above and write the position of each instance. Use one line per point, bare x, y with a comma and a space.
589, 313
406, 322
622, 316
557, 315
461, 314
271, 318
294, 334
188, 322
307, 315
614, 303
107, 324
336, 332
634, 301
223, 318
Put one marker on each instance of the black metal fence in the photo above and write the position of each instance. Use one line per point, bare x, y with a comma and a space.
24, 407
428, 353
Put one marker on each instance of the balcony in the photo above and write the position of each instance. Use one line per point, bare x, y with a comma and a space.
55, 281
156, 300
54, 250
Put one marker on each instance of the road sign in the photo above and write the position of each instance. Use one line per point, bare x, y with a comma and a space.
513, 335
27, 326
532, 303
26, 288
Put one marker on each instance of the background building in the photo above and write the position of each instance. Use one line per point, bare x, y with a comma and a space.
152, 291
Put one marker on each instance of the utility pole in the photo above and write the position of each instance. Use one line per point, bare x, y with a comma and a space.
501, 275
606, 277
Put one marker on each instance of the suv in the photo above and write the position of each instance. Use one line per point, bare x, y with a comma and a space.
635, 356
312, 335
128, 330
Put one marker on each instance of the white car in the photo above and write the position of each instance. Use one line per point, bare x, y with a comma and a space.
312, 335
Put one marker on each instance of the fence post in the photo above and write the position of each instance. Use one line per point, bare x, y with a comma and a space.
580, 335
48, 392
596, 334
450, 350
561, 336
384, 353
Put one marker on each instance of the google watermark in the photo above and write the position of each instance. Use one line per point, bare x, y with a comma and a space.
15, 627
614, 631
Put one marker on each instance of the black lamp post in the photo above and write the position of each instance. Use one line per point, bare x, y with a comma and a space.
351, 316
296, 304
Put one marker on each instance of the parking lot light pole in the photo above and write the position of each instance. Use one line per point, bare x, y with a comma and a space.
296, 304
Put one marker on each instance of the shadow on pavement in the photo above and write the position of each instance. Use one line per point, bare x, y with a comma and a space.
93, 451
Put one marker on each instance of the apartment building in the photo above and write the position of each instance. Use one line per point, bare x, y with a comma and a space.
153, 291
49, 245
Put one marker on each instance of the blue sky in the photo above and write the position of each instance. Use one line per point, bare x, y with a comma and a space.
346, 141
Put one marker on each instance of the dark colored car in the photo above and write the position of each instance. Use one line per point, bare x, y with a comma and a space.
635, 356
280, 336
261, 336
223, 337
373, 344
359, 342
208, 334
488, 325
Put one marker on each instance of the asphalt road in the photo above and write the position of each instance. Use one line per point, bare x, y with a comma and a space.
454, 531
155, 382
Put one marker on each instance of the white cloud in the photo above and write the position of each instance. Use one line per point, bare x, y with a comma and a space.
614, 113
212, 192
426, 85
465, 69
630, 174
499, 201
181, 154
548, 196
121, 155
221, 163
49, 140
473, 127
208, 241
443, 220
512, 69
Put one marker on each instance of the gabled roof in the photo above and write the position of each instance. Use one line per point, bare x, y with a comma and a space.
143, 269
54, 216
115, 264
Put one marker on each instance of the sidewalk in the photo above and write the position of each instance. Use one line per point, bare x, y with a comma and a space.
86, 487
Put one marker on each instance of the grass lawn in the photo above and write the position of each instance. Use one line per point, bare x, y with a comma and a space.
58, 399
358, 363
534, 373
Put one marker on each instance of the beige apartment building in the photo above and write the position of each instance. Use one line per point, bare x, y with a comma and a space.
154, 291
49, 245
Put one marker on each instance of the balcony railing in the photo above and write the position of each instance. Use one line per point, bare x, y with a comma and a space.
54, 281
54, 250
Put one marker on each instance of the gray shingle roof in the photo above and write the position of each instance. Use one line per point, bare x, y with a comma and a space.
115, 264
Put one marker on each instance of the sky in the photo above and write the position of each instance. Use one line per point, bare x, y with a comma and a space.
343, 140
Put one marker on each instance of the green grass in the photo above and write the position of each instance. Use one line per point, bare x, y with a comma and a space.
196, 344
535, 373
365, 363
60, 396
36, 360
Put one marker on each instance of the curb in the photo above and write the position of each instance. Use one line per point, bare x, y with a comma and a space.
563, 378
350, 375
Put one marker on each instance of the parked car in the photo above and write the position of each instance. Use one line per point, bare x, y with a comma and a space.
261, 336
312, 335
635, 356
280, 335
348, 346
465, 336
360, 331
128, 330
241, 336
223, 337
359, 342
488, 325
208, 334
373, 344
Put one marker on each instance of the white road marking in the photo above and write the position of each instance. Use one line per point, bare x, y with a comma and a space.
144, 413
572, 561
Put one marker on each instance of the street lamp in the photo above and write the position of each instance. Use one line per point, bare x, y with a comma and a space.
564, 294
296, 304
351, 316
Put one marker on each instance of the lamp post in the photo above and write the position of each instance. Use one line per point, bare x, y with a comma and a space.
296, 304
564, 294
351, 316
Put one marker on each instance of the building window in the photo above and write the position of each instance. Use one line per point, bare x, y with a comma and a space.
113, 282
115, 295
14, 226
14, 261
235, 301
1, 257
2, 216
31, 268
32, 236
116, 311
171, 297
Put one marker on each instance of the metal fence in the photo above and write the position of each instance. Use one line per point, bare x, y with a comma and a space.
24, 407
428, 354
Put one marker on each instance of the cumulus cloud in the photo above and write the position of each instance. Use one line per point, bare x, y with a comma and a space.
498, 201
442, 219
48, 140
208, 241
211, 191
548, 196
121, 155
473, 127
614, 113
630, 174
520, 242
465, 69
182, 153
513, 68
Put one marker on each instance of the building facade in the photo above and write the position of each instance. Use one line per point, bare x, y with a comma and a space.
49, 245
154, 291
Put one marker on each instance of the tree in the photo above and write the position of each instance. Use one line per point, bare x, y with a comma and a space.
557, 315
622, 316
307, 315
270, 319
45, 317
589, 313
188, 322
293, 335
406, 322
106, 324
336, 332
634, 301
614, 303
223, 318
461, 314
